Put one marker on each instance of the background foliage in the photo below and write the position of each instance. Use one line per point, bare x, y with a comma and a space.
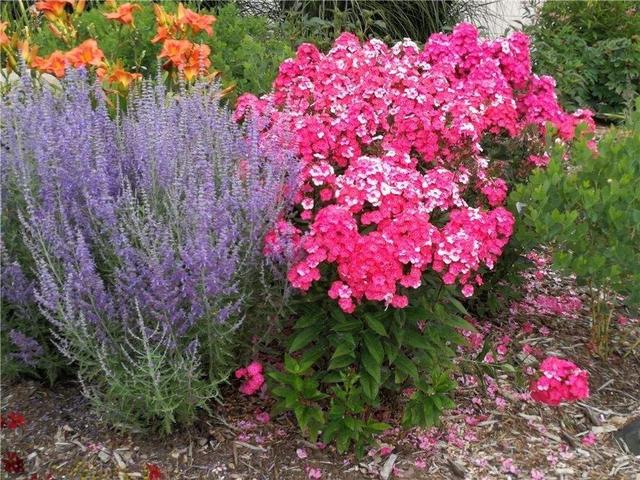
592, 49
587, 209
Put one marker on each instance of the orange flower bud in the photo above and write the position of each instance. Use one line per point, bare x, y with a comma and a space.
4, 39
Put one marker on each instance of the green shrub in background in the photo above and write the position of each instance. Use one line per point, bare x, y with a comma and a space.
590, 215
592, 49
246, 49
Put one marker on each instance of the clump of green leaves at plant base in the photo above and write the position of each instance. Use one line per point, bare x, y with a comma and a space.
588, 210
247, 50
592, 49
339, 366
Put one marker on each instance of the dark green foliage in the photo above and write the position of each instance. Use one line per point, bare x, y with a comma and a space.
592, 49
341, 366
321, 21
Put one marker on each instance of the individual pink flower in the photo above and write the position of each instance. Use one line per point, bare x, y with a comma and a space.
385, 451
589, 439
301, 453
314, 473
536, 474
254, 368
508, 466
263, 417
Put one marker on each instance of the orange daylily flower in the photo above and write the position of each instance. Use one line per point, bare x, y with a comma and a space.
162, 35
189, 58
124, 14
194, 20
123, 77
4, 39
87, 53
54, 63
197, 62
117, 74
52, 9
176, 51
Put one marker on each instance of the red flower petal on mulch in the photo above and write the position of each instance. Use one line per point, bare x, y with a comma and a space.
12, 420
12, 463
153, 472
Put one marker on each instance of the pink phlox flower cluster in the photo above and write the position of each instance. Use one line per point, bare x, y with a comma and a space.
254, 379
561, 381
393, 181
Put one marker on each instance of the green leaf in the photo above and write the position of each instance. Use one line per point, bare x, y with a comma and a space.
310, 357
392, 351
456, 303
375, 325
332, 377
350, 324
279, 377
291, 365
378, 426
341, 362
457, 322
303, 338
346, 345
369, 385
374, 347
371, 366
406, 366
309, 319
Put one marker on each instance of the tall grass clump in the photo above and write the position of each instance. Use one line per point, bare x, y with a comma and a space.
135, 241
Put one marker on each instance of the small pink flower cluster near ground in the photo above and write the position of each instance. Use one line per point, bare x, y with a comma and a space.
393, 179
254, 378
561, 381
12, 420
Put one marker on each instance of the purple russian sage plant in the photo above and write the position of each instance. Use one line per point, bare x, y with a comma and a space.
144, 235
